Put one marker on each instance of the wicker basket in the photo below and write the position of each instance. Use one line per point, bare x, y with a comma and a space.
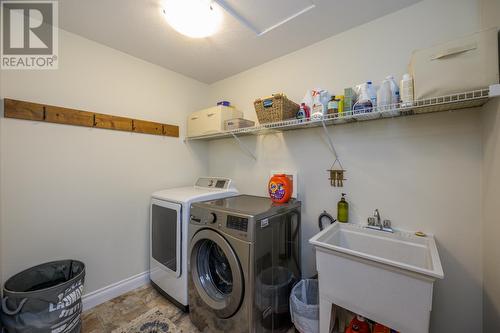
275, 108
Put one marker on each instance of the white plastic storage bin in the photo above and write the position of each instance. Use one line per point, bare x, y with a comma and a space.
237, 123
464, 64
211, 120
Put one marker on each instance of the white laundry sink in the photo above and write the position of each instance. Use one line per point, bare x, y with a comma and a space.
387, 277
399, 249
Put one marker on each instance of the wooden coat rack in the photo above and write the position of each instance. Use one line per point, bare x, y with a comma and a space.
56, 114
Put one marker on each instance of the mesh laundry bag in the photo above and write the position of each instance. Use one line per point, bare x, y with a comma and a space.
44, 299
304, 306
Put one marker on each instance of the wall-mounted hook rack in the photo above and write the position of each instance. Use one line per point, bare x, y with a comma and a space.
61, 115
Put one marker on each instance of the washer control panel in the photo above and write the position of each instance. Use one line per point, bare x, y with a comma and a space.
237, 223
236, 226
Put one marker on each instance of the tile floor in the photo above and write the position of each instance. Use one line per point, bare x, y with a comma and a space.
108, 316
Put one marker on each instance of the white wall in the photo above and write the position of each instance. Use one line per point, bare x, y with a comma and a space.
1, 247
491, 215
490, 17
73, 192
83, 193
422, 172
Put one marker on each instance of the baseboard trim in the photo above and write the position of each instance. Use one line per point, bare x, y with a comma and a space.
107, 293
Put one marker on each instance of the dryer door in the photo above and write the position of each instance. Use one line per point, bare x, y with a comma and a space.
216, 272
165, 236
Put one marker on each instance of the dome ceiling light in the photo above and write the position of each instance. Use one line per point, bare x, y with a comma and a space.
203, 18
193, 18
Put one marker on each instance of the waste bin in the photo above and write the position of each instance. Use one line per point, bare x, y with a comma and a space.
44, 299
304, 306
272, 296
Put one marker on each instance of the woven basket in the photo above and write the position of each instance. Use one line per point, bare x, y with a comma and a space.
275, 108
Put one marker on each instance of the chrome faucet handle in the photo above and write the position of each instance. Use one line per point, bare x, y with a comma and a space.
371, 221
374, 222
387, 226
376, 215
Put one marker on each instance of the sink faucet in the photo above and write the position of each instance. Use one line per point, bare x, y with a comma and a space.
376, 215
375, 222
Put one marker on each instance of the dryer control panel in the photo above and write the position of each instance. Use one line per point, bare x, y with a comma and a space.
214, 182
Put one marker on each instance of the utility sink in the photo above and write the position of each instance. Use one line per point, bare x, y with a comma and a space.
400, 249
387, 277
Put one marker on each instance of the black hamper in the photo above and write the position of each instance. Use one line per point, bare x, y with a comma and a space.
44, 299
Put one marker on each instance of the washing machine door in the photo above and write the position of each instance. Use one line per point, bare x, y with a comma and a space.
216, 273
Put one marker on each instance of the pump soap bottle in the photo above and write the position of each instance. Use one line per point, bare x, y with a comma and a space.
343, 210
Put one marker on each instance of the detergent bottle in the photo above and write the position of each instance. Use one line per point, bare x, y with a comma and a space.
364, 99
304, 112
395, 95
372, 93
384, 94
407, 91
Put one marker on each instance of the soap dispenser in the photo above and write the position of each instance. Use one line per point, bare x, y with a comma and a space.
343, 210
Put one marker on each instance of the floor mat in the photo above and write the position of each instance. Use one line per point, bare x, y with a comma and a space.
153, 321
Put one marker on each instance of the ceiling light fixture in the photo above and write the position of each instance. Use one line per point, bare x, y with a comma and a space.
193, 18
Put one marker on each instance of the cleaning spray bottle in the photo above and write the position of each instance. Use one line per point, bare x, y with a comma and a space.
343, 210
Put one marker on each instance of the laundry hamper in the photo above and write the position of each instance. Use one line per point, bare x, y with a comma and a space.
44, 299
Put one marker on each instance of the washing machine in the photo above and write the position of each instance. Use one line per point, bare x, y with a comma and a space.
244, 259
169, 221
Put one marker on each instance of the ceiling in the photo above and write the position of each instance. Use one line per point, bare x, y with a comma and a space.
139, 29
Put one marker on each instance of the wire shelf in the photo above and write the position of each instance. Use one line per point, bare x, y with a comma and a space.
457, 101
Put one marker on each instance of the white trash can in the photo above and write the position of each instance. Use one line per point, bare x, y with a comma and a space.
304, 306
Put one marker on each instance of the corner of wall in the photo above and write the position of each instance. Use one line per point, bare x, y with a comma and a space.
1, 192
490, 187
